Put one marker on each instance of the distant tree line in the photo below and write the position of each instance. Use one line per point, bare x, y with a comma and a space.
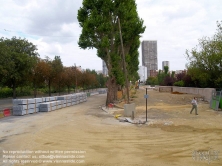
21, 67
164, 78
204, 67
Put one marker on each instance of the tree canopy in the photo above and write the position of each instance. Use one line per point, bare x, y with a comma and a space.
100, 30
17, 59
205, 60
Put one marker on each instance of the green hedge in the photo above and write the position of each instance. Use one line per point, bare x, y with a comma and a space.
179, 83
8, 92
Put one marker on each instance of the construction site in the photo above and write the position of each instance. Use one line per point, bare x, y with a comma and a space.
81, 130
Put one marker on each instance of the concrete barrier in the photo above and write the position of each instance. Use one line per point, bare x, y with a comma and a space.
204, 92
129, 110
165, 89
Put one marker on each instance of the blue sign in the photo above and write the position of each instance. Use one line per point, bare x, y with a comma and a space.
146, 96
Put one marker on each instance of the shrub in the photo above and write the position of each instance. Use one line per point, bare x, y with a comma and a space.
5, 92
179, 83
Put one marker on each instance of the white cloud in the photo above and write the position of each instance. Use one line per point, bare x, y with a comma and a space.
53, 27
177, 26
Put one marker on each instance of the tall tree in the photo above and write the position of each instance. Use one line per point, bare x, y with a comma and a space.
18, 57
54, 73
57, 70
99, 22
69, 77
205, 61
88, 79
37, 75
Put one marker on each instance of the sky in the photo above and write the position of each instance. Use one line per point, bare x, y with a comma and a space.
53, 27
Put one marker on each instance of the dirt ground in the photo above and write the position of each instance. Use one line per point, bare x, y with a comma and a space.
84, 134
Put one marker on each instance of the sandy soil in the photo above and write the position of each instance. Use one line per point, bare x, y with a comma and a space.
87, 135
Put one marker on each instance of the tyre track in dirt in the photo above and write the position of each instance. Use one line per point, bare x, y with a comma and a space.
109, 142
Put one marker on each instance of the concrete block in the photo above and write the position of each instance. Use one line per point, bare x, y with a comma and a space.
19, 112
45, 99
68, 97
74, 96
19, 101
61, 98
102, 91
38, 100
31, 110
129, 109
59, 106
52, 98
46, 109
48, 106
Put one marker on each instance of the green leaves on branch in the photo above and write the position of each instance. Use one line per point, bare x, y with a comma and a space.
205, 61
18, 56
99, 22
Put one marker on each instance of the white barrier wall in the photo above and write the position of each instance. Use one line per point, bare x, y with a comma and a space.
205, 92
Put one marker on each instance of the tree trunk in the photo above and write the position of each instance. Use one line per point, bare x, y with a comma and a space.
115, 92
68, 89
111, 94
49, 88
59, 88
35, 90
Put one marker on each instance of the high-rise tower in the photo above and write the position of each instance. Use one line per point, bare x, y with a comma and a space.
166, 63
149, 55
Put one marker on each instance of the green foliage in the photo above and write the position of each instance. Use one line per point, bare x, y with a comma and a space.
5, 92
24, 91
132, 61
8, 92
161, 76
165, 78
100, 30
166, 70
18, 56
179, 83
205, 61
152, 81
101, 80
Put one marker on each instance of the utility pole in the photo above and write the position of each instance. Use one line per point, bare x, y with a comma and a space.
124, 63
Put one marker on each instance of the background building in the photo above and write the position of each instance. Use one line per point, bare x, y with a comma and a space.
142, 73
149, 55
180, 71
153, 73
166, 63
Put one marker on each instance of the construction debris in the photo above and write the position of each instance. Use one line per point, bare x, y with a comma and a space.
131, 121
